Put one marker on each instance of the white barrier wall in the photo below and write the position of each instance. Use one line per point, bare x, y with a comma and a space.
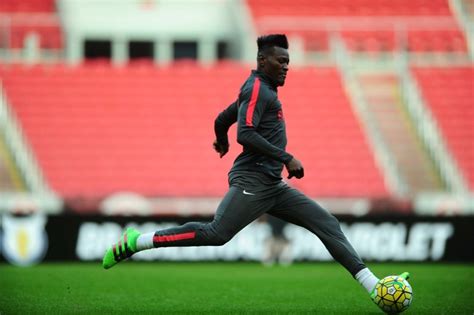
162, 22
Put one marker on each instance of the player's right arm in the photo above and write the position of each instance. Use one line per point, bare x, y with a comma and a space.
294, 168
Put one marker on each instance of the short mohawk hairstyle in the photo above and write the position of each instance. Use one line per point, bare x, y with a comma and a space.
268, 41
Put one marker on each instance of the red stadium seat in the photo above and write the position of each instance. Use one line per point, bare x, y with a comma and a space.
436, 41
350, 7
370, 41
30, 6
50, 36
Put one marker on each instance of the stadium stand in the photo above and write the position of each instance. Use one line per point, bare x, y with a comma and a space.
449, 94
102, 127
292, 18
97, 129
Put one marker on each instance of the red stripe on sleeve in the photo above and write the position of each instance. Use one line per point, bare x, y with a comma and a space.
172, 238
252, 103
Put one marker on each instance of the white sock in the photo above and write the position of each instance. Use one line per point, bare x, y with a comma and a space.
145, 241
367, 279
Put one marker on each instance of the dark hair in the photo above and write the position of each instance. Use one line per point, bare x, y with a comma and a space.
269, 41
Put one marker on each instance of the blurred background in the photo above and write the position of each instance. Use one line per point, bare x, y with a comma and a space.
107, 111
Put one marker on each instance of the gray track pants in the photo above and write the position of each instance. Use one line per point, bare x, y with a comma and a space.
246, 200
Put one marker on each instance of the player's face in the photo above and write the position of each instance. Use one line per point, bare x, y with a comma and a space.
275, 64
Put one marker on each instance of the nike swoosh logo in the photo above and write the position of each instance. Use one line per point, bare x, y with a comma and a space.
247, 193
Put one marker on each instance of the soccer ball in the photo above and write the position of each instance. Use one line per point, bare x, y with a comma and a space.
393, 294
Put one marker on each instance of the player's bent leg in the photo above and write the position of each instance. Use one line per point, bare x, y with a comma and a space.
235, 212
123, 249
191, 234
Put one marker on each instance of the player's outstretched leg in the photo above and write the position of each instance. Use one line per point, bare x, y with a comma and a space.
123, 249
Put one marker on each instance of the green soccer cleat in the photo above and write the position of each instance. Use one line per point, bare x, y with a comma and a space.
125, 248
372, 294
405, 275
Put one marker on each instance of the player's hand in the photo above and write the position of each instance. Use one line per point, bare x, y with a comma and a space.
222, 149
295, 169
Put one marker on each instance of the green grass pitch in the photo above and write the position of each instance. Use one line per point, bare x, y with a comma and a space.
223, 288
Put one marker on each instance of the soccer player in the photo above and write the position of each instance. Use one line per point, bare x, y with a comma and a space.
277, 245
256, 185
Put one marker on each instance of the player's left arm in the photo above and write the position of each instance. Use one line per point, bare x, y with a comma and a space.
221, 126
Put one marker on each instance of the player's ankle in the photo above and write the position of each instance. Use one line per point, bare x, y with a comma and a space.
144, 241
367, 279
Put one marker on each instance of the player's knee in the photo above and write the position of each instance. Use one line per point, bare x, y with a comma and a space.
223, 238
220, 241
330, 227
218, 235
331, 220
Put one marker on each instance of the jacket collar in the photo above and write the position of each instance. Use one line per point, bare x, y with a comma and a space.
265, 78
